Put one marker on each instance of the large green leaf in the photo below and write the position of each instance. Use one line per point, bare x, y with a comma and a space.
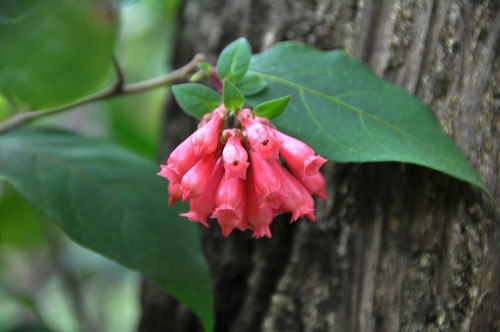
348, 114
53, 51
111, 201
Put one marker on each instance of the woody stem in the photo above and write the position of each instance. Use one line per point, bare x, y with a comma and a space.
118, 88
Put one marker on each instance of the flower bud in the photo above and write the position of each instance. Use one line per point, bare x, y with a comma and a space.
228, 200
235, 158
196, 180
299, 155
175, 193
299, 201
202, 206
206, 138
315, 184
261, 138
243, 224
181, 160
259, 218
267, 184
265, 121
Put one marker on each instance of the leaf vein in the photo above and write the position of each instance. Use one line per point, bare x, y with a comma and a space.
369, 134
106, 192
73, 204
302, 98
354, 109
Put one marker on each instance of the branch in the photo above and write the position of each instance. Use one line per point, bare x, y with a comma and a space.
117, 89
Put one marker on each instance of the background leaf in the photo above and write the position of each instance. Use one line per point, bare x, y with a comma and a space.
14, 210
110, 200
273, 108
348, 114
234, 60
233, 99
251, 84
54, 52
196, 99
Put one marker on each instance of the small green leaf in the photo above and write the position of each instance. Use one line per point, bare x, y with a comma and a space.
199, 76
196, 99
205, 67
348, 114
233, 99
273, 108
251, 84
110, 201
53, 51
234, 60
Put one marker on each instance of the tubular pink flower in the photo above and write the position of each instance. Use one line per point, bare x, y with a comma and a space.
235, 158
181, 160
205, 119
243, 224
205, 139
264, 121
261, 138
299, 155
299, 201
175, 193
202, 206
228, 199
267, 184
259, 218
196, 180
228, 216
315, 184
227, 223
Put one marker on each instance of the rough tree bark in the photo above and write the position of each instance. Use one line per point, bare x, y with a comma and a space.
396, 247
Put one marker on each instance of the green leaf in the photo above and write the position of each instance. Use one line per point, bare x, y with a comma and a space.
234, 60
233, 99
31, 329
53, 51
110, 201
251, 84
14, 208
348, 114
205, 67
124, 2
196, 99
273, 108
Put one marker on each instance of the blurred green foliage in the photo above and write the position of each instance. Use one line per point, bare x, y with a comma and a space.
20, 223
144, 52
5, 108
61, 50
52, 53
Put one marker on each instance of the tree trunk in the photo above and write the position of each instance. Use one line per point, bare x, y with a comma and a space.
396, 247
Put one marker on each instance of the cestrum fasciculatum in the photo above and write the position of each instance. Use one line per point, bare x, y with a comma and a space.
235, 175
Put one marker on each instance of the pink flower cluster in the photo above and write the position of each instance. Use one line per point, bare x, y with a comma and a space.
212, 169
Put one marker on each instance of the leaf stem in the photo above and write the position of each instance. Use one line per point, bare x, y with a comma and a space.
214, 76
117, 89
